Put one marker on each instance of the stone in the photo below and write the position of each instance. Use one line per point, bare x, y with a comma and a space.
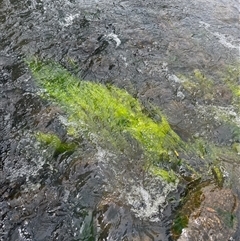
215, 218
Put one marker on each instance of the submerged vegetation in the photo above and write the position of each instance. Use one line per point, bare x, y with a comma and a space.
117, 121
54, 141
113, 119
109, 114
219, 98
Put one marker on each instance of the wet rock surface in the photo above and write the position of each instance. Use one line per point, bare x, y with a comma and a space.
157, 40
141, 46
215, 219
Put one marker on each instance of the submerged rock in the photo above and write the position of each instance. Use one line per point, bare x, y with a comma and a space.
215, 218
49, 195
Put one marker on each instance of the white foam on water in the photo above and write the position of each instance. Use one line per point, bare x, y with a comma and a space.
69, 20
227, 40
114, 37
174, 78
148, 202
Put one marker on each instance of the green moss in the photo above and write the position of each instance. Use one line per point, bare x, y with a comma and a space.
118, 121
169, 176
217, 173
54, 141
106, 111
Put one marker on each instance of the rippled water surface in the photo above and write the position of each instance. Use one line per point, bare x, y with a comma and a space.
147, 48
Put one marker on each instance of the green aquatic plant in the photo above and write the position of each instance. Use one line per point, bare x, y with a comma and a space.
113, 119
218, 174
169, 176
180, 222
190, 203
108, 113
55, 142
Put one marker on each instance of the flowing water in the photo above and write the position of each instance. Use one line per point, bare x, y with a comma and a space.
143, 47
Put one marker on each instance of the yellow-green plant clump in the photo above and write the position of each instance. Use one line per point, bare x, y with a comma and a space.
55, 142
107, 112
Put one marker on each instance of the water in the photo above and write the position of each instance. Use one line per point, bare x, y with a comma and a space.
142, 46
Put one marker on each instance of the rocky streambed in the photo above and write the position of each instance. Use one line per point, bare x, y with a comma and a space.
178, 61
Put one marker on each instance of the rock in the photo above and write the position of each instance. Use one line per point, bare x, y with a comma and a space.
215, 218
180, 95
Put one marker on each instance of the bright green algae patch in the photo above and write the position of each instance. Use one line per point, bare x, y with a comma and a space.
55, 142
114, 119
110, 113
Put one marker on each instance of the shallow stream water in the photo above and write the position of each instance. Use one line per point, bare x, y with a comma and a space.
143, 47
